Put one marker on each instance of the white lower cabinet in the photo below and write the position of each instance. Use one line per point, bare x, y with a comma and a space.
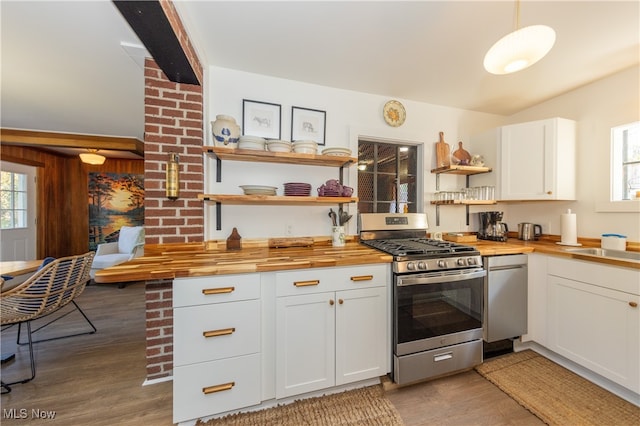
594, 318
209, 388
319, 327
331, 327
217, 360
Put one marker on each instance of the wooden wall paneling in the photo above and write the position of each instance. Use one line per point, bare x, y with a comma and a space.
63, 213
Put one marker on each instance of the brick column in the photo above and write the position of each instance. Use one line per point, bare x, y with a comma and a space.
158, 305
173, 123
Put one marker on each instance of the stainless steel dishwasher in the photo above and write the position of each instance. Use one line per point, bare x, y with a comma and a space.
505, 297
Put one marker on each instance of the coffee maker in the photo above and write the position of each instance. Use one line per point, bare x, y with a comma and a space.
492, 227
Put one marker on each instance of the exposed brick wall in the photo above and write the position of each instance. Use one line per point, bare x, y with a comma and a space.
159, 299
173, 123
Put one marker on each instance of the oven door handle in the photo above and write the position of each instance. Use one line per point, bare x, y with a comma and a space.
439, 278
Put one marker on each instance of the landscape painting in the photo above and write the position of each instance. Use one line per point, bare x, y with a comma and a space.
115, 200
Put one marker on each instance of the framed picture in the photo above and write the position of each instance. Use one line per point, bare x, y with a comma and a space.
308, 124
261, 119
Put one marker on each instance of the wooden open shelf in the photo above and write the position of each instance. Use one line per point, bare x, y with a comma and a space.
465, 202
236, 154
461, 170
274, 199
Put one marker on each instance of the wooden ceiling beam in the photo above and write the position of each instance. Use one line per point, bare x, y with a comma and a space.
70, 140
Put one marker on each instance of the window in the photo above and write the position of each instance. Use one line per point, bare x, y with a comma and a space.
387, 178
626, 162
13, 200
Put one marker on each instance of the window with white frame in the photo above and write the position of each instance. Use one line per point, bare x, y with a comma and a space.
625, 167
13, 200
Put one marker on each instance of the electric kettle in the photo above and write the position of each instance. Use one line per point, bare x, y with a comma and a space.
529, 231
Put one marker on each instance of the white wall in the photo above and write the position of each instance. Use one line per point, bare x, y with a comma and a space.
349, 115
597, 108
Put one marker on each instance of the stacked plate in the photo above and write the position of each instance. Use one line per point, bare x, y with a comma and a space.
258, 190
251, 142
305, 147
342, 152
277, 145
297, 189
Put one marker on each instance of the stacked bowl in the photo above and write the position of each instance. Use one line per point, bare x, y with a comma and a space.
277, 145
305, 147
251, 142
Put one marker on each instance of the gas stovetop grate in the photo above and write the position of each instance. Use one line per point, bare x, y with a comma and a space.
418, 246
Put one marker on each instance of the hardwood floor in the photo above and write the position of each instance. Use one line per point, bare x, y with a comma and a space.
97, 379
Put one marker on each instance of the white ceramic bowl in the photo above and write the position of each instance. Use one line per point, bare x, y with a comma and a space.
256, 146
278, 146
305, 149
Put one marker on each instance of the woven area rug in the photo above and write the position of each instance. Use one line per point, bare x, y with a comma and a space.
556, 395
365, 406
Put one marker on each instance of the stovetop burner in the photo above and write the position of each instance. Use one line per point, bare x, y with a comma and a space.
404, 237
424, 247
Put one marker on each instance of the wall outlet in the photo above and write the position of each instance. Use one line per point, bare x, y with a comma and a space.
288, 230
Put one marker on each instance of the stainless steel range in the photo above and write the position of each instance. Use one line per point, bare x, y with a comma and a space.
437, 297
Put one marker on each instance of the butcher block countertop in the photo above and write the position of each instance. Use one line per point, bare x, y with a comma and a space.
199, 259
169, 261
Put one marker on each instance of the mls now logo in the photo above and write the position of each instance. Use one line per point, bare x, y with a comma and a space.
23, 413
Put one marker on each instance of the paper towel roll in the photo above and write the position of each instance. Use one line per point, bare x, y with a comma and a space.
569, 233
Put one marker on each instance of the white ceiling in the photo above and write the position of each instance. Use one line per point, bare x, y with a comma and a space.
64, 69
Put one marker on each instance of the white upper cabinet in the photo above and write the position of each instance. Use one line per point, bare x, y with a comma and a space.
531, 161
537, 160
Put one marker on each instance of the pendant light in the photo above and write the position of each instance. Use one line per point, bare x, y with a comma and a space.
519, 49
92, 158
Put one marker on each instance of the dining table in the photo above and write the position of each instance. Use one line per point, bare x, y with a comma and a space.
13, 268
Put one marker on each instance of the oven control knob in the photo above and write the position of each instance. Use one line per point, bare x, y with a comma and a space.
461, 262
471, 261
411, 266
422, 265
442, 264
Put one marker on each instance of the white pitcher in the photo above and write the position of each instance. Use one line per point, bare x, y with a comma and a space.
226, 131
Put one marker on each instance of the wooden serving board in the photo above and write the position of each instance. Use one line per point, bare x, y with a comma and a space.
290, 242
462, 155
443, 158
461, 237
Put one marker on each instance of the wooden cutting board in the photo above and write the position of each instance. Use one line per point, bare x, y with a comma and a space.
463, 157
443, 158
290, 242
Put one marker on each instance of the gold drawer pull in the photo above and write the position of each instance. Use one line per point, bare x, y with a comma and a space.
222, 332
362, 278
306, 283
218, 388
221, 290
633, 304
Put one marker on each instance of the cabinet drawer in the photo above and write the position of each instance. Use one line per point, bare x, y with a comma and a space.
211, 332
231, 384
318, 280
217, 289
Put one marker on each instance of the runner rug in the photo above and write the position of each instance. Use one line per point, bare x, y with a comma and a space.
365, 406
556, 395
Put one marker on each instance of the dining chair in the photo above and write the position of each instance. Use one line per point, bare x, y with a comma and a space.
48, 290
